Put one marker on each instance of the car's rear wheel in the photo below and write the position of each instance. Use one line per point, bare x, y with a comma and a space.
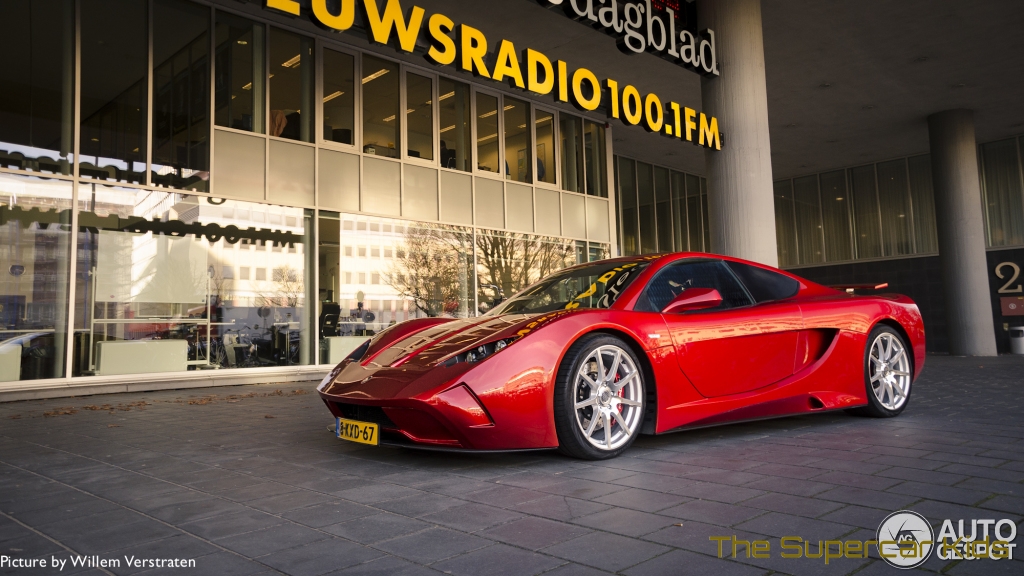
599, 398
888, 373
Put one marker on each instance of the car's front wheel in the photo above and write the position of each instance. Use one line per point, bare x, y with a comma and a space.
599, 398
888, 373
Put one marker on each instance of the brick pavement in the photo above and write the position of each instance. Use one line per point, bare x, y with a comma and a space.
246, 481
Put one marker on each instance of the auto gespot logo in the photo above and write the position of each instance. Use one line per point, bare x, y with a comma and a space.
904, 539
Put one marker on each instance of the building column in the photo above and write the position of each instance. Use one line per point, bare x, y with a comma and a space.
961, 231
740, 199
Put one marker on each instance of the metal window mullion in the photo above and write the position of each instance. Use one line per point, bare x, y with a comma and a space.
212, 94
910, 205
878, 209
69, 338
266, 112
147, 139
850, 214
795, 235
821, 219
609, 158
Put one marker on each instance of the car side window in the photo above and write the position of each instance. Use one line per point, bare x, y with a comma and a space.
675, 278
764, 285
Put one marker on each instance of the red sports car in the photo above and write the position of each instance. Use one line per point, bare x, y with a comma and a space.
592, 356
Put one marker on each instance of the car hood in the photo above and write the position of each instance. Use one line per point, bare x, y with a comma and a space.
395, 368
437, 342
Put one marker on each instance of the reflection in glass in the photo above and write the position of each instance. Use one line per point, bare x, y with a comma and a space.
545, 122
37, 85
507, 262
1004, 202
894, 204
865, 212
160, 286
419, 113
923, 200
571, 133
487, 132
291, 86
181, 95
35, 248
387, 271
453, 107
339, 97
240, 79
627, 199
785, 227
518, 149
808, 219
596, 161
835, 213
114, 88
381, 122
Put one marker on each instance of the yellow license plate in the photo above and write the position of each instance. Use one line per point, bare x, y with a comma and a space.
356, 431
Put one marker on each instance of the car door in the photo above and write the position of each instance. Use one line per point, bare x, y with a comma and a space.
736, 347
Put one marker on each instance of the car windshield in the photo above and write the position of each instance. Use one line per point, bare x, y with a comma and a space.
595, 286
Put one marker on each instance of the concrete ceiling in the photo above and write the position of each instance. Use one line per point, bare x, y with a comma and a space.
888, 65
849, 81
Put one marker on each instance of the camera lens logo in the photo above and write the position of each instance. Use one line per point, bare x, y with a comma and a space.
905, 539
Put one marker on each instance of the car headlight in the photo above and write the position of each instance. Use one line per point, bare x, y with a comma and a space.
477, 354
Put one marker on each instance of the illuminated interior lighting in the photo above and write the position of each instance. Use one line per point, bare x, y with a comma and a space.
389, 118
376, 75
544, 119
489, 114
522, 126
410, 110
509, 107
486, 138
242, 43
446, 96
247, 86
332, 96
293, 62
452, 127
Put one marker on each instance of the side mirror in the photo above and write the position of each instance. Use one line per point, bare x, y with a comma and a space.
693, 299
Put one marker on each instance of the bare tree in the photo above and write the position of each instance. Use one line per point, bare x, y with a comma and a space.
288, 289
513, 261
433, 270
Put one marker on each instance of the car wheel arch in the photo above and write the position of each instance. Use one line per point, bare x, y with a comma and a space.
649, 424
895, 325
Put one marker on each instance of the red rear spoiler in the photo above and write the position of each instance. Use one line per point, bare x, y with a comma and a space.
849, 288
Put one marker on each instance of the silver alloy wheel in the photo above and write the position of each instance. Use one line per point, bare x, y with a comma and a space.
608, 392
889, 371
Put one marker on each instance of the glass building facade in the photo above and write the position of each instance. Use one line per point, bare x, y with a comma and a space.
188, 188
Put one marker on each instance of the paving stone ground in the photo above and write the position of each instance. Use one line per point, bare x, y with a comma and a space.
247, 480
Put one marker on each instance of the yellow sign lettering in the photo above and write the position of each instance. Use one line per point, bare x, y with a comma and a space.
474, 48
341, 21
442, 47
537, 62
507, 65
393, 19
709, 132
287, 6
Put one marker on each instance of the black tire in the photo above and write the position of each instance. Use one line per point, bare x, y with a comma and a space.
875, 407
572, 441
